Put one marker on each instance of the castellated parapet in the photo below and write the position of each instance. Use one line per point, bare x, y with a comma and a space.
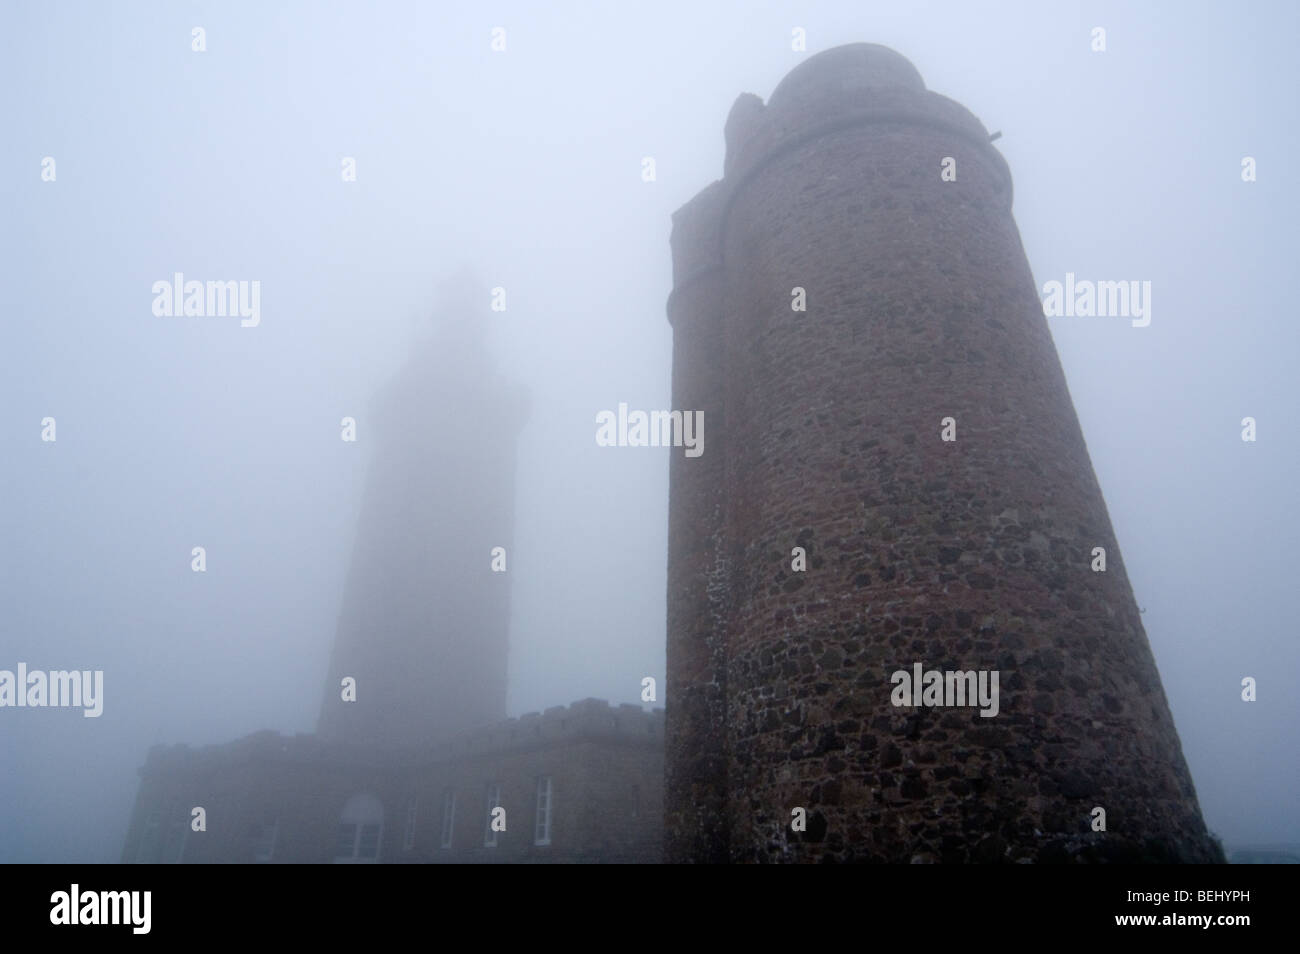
965, 554
587, 719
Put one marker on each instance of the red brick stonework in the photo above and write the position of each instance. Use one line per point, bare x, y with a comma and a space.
973, 554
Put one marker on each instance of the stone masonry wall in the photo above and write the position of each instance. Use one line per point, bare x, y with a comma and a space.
605, 763
965, 555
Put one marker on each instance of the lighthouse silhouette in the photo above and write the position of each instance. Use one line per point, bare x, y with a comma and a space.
423, 628
896, 483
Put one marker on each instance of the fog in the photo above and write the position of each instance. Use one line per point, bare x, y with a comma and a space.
522, 169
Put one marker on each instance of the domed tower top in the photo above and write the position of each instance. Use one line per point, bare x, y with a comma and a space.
848, 68
851, 84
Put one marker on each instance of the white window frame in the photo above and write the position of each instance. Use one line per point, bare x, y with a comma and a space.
493, 802
408, 834
180, 849
379, 842
362, 812
174, 835
147, 850
448, 817
352, 842
259, 857
542, 826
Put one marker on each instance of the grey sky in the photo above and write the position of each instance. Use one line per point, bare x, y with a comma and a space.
526, 167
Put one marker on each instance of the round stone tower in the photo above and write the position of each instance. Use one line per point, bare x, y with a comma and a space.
895, 483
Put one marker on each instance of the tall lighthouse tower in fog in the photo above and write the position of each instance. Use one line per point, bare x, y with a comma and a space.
424, 624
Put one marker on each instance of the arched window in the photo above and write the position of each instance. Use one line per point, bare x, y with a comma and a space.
361, 826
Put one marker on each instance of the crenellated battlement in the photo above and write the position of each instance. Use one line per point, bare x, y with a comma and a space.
585, 719
263, 746
593, 719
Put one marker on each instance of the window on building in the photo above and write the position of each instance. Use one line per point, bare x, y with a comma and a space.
448, 817
408, 835
360, 831
368, 843
176, 843
542, 829
347, 843
178, 827
493, 802
147, 848
264, 841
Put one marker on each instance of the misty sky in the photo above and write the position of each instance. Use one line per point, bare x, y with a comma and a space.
525, 166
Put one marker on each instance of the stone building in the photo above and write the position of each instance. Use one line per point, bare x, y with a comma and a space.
411, 763
910, 433
582, 783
